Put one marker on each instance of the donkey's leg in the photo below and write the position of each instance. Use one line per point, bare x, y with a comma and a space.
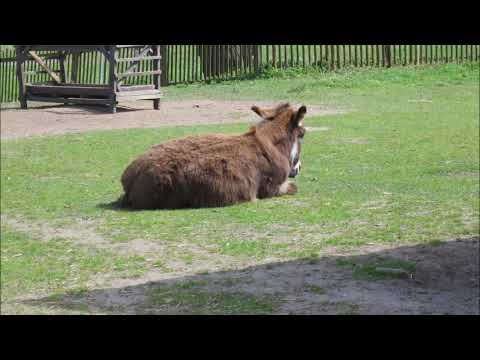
269, 189
287, 188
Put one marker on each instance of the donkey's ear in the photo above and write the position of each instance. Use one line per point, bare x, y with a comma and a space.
270, 114
258, 111
299, 115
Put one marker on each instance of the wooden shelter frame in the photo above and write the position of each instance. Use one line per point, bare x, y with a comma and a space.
110, 93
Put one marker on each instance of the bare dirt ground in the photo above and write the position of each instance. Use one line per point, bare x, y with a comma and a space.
42, 120
445, 279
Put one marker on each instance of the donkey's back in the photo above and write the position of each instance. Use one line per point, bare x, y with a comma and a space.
196, 171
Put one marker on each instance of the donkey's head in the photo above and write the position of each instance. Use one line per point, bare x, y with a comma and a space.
284, 125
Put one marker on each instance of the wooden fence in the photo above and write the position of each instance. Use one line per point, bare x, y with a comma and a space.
194, 63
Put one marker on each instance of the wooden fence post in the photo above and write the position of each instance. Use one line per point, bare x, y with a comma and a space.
20, 55
388, 55
256, 55
332, 55
113, 77
156, 78
164, 64
74, 73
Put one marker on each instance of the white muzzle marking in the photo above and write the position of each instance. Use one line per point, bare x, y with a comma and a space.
294, 152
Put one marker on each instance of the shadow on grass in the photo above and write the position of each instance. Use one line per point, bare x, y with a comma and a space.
116, 205
437, 278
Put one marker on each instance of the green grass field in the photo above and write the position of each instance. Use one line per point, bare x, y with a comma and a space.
399, 166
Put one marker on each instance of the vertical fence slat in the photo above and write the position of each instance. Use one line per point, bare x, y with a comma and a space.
186, 53
3, 71
332, 57
368, 50
6, 87
3, 91
274, 56
192, 61
355, 49
309, 55
338, 55
196, 54
304, 56
267, 55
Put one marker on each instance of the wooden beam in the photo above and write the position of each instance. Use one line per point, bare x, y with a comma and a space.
68, 90
140, 97
39, 60
138, 93
127, 88
68, 48
139, 58
155, 72
69, 100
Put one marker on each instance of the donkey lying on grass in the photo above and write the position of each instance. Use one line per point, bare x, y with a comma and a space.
219, 170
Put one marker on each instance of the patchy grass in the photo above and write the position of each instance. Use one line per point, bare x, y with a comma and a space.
315, 289
188, 298
371, 270
32, 267
390, 170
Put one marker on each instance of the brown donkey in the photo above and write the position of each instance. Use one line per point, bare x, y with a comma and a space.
219, 170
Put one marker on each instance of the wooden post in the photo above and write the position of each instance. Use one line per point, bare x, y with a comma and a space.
156, 77
274, 56
62, 69
387, 56
20, 55
74, 74
332, 53
256, 56
62, 72
164, 64
112, 77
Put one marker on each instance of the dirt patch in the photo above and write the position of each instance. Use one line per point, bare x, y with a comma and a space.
80, 233
177, 259
317, 128
42, 120
356, 141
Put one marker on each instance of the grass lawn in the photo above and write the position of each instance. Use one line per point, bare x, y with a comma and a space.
399, 166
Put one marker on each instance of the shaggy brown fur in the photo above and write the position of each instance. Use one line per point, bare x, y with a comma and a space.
218, 170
